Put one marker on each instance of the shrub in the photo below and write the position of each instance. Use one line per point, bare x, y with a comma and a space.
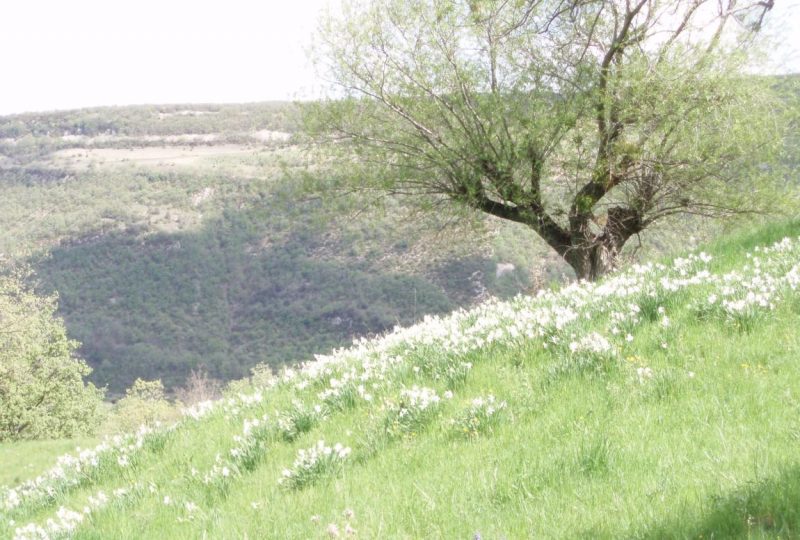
261, 376
144, 404
199, 386
42, 388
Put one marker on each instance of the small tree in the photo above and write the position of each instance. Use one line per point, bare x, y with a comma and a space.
586, 120
42, 391
144, 404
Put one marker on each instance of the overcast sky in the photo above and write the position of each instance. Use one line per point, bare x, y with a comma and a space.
63, 54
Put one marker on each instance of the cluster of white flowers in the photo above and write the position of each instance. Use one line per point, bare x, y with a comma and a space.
792, 277
481, 415
416, 399
251, 425
235, 406
248, 448
299, 419
347, 389
314, 462
487, 404
365, 368
625, 320
72, 470
415, 408
219, 473
691, 262
66, 521
127, 446
69, 470
251, 440
199, 410
745, 295
231, 407
644, 373
333, 530
545, 317
741, 294
592, 343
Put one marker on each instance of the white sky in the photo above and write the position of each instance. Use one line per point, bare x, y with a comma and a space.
63, 54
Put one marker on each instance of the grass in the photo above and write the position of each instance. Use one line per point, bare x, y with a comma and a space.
694, 439
25, 460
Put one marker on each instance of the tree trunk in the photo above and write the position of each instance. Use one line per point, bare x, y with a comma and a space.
594, 255
592, 261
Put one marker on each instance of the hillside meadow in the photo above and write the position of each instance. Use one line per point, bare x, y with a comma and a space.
660, 402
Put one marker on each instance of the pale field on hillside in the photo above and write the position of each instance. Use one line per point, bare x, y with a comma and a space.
160, 156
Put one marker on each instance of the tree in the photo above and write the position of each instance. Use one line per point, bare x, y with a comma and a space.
144, 403
586, 120
42, 392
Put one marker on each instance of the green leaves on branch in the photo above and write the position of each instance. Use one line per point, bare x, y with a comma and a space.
42, 389
523, 109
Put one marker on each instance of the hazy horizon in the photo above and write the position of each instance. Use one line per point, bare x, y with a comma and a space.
91, 53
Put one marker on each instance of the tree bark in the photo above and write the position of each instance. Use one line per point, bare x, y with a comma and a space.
593, 255
593, 260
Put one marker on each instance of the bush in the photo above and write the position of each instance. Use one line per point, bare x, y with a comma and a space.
261, 377
144, 404
199, 386
42, 388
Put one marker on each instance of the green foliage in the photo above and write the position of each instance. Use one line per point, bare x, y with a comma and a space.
42, 388
480, 417
144, 404
261, 376
299, 419
584, 128
146, 390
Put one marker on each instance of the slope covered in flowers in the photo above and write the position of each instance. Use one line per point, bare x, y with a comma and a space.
662, 401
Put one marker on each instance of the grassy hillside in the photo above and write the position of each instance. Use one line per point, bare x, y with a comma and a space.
660, 403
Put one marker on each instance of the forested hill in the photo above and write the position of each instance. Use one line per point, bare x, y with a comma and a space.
176, 237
